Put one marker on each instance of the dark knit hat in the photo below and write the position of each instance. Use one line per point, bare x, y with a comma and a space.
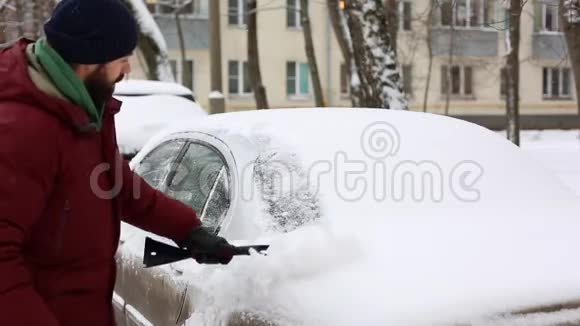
92, 31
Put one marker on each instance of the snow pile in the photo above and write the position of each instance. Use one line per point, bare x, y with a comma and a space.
142, 117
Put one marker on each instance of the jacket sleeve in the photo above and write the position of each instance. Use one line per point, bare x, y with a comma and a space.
28, 166
151, 210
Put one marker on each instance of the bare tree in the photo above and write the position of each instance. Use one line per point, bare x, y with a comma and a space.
392, 15
217, 104
310, 53
184, 73
178, 6
254, 57
428, 40
3, 26
380, 81
570, 14
151, 43
448, 78
338, 22
513, 71
19, 6
23, 18
42, 12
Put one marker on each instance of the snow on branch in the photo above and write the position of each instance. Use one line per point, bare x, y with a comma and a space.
572, 11
375, 59
149, 27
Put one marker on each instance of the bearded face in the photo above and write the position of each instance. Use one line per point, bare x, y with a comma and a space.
101, 85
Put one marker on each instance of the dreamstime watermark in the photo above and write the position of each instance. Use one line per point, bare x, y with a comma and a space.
381, 173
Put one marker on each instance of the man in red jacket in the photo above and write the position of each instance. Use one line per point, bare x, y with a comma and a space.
64, 187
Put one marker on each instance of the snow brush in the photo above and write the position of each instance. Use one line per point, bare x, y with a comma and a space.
158, 253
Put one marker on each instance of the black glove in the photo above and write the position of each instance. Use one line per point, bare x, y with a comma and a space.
207, 248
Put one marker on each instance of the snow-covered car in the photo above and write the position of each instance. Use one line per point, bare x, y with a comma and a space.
374, 217
138, 87
148, 107
141, 117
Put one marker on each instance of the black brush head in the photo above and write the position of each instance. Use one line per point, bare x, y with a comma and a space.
158, 253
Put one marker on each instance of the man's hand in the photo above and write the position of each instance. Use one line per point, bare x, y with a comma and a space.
207, 248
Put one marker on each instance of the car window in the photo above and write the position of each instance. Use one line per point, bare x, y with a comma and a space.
218, 202
157, 164
200, 181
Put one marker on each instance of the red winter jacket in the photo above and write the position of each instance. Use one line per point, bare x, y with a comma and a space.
59, 227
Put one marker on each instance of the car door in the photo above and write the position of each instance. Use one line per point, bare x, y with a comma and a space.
143, 298
200, 179
196, 173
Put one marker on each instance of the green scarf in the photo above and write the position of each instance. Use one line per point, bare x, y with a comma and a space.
67, 81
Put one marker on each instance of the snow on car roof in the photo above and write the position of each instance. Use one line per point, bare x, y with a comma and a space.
150, 87
142, 117
497, 233
393, 141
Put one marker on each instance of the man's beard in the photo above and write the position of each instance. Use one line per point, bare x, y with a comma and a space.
99, 88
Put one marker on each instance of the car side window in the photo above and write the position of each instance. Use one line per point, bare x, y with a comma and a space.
218, 202
157, 164
200, 181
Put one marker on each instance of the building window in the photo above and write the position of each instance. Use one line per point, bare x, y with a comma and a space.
344, 80
467, 13
407, 77
405, 14
237, 12
556, 82
467, 80
461, 80
293, 16
238, 78
177, 70
550, 19
159, 7
297, 79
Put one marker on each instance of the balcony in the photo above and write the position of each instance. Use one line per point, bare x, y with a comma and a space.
195, 32
467, 42
549, 45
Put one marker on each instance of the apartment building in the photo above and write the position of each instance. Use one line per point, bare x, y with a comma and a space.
468, 40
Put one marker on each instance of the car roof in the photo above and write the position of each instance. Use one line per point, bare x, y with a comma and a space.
393, 137
141, 117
